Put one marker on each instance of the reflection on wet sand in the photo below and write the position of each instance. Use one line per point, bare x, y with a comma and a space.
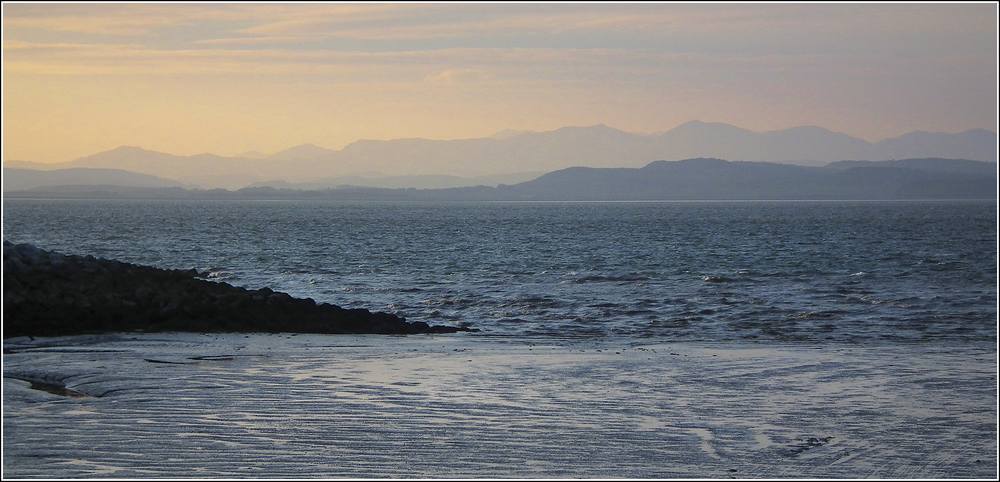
447, 406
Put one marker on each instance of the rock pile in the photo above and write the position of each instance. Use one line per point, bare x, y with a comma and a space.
51, 294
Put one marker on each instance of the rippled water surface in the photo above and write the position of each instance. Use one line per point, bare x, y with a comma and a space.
788, 271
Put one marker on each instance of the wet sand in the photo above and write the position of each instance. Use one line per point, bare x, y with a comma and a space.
280, 405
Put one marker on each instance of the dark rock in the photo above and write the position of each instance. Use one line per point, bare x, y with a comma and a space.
49, 294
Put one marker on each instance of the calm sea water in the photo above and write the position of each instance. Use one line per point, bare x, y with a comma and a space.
787, 271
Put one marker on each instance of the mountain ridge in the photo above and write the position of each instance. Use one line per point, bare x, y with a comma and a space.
595, 146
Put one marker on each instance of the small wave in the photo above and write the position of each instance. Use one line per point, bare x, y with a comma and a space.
533, 301
670, 323
635, 312
812, 315
716, 279
513, 320
611, 278
865, 299
947, 266
219, 274
456, 302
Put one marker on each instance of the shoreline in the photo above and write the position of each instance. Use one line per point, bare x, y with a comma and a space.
23, 196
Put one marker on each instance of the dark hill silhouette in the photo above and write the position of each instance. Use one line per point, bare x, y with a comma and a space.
957, 166
718, 179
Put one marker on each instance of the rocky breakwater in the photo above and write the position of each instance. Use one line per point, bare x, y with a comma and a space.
50, 294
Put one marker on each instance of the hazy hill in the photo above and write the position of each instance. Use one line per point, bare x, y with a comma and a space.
39, 166
205, 170
418, 182
976, 144
514, 152
804, 145
24, 179
691, 179
303, 152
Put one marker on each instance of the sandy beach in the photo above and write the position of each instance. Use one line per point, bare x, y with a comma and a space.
283, 405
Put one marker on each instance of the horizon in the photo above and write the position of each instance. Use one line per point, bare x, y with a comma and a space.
507, 133
233, 78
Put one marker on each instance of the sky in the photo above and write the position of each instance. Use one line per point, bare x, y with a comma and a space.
231, 78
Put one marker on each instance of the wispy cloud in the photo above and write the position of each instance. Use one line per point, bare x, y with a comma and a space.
684, 27
652, 65
117, 20
458, 76
114, 26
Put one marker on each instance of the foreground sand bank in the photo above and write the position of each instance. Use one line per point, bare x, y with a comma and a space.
281, 405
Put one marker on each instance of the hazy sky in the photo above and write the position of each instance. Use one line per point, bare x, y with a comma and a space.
228, 78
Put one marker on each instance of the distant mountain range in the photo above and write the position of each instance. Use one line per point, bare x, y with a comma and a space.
691, 179
25, 179
528, 152
417, 182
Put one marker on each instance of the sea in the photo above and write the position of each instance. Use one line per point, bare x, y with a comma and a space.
636, 340
794, 271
